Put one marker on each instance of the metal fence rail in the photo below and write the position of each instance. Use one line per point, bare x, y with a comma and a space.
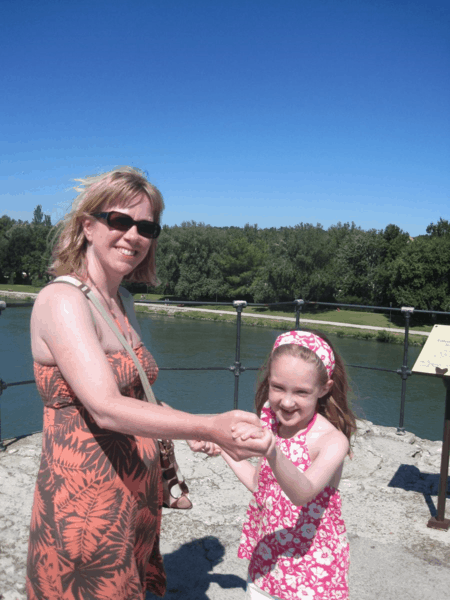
237, 368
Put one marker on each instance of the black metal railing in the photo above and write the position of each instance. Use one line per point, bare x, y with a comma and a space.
237, 368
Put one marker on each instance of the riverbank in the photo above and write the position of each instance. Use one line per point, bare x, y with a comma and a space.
366, 332
389, 491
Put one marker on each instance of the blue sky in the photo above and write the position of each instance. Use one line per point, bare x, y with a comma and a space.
272, 112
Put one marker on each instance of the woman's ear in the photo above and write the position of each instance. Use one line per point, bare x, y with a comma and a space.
88, 225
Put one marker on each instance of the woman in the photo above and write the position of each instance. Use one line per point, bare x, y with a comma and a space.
97, 506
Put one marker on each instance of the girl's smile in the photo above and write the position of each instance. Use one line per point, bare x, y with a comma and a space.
294, 390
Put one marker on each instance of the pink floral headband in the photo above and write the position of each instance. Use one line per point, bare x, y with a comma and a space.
311, 341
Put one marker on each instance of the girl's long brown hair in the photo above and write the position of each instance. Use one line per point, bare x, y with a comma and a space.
333, 406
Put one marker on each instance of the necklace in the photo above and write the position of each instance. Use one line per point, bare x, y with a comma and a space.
113, 313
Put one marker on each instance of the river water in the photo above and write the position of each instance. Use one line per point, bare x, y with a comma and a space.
188, 343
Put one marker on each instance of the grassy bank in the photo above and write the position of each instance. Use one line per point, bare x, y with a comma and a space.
374, 319
22, 289
338, 316
362, 334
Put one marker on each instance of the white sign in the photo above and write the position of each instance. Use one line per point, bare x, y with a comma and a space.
434, 358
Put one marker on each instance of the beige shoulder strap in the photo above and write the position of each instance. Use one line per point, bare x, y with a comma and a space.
96, 302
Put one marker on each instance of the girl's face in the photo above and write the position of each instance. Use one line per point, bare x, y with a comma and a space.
294, 390
118, 252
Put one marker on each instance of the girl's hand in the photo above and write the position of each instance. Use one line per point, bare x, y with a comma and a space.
246, 431
272, 451
208, 448
237, 449
196, 445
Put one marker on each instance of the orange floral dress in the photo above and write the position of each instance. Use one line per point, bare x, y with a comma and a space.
97, 505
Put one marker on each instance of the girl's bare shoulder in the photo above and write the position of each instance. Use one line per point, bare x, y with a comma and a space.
323, 433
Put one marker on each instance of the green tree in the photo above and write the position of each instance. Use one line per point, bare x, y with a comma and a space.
441, 228
240, 261
420, 275
357, 267
395, 242
38, 215
24, 248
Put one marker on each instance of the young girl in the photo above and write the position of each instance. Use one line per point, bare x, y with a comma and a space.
294, 534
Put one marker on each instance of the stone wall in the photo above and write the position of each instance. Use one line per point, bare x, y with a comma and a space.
389, 491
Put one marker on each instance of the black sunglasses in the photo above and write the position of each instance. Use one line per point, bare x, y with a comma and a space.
122, 222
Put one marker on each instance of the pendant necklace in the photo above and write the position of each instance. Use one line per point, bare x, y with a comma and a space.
113, 314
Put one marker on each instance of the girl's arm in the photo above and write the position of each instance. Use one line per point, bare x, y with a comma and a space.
300, 487
244, 471
62, 321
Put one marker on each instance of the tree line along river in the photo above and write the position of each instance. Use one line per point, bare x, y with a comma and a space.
183, 343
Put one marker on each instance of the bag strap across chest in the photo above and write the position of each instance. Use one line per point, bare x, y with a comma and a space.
101, 309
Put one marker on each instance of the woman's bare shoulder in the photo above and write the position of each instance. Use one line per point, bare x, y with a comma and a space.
59, 311
51, 295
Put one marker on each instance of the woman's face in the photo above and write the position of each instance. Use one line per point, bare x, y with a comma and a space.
115, 252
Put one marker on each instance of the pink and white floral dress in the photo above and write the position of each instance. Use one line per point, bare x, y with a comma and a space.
295, 551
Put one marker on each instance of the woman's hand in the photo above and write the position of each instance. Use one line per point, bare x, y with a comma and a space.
257, 440
245, 431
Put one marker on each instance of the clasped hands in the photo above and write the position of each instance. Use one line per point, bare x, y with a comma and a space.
239, 434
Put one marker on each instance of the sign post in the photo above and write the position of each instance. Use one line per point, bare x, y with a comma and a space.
434, 360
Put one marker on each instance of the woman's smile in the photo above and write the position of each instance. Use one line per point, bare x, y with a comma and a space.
126, 251
116, 251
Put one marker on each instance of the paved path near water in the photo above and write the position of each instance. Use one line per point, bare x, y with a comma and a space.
389, 491
171, 309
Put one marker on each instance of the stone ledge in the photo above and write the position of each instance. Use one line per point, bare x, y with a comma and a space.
388, 490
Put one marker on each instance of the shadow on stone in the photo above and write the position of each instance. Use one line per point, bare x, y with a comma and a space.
189, 570
410, 478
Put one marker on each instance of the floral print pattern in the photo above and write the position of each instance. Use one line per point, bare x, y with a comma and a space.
97, 505
295, 552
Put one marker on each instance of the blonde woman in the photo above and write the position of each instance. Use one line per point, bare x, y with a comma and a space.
97, 505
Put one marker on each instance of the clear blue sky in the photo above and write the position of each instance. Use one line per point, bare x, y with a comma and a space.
272, 112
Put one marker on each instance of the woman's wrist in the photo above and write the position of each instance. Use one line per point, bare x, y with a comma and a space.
206, 429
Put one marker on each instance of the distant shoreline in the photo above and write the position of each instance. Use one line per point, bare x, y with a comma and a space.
366, 332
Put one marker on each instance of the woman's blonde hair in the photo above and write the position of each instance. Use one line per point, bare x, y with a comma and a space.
333, 406
117, 188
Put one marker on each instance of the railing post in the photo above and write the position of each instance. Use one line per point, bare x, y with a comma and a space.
239, 305
404, 371
298, 309
2, 387
439, 521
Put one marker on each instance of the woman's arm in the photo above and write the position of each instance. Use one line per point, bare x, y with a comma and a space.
300, 487
62, 320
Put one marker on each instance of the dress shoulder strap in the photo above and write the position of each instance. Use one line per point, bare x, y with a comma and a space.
310, 424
